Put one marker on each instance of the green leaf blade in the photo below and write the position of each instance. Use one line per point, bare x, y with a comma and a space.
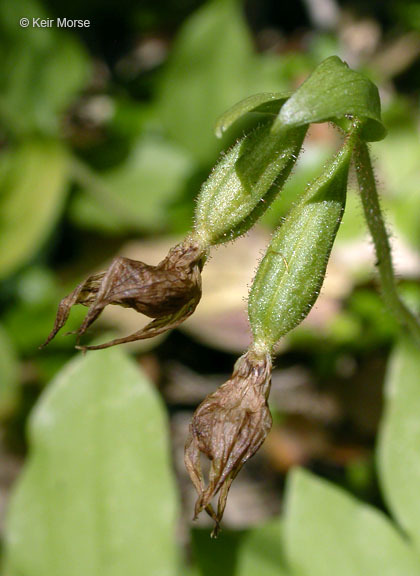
329, 532
33, 186
137, 194
97, 495
208, 72
261, 551
41, 73
332, 93
9, 375
399, 439
264, 103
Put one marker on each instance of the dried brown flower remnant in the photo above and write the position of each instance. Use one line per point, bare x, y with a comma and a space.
168, 292
228, 428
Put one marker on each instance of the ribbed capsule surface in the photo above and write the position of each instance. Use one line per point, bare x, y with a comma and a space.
291, 274
245, 181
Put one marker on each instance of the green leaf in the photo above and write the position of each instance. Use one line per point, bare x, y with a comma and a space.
33, 180
399, 439
208, 71
42, 71
9, 375
261, 551
97, 495
333, 92
328, 532
265, 103
136, 195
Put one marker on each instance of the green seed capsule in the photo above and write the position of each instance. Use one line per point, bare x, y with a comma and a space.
291, 273
245, 182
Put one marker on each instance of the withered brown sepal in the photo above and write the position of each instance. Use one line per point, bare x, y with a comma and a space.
168, 292
228, 428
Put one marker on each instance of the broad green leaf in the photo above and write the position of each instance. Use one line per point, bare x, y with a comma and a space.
33, 180
334, 92
213, 65
42, 70
399, 440
136, 195
97, 495
264, 103
8, 375
209, 71
328, 532
261, 551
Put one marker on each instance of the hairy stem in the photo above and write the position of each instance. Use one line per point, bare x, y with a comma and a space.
373, 215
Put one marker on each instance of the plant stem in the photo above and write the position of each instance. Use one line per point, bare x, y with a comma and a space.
373, 215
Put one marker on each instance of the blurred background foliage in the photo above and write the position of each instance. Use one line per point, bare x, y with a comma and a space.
106, 135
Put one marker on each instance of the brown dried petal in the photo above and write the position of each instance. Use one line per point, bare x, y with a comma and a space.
168, 292
228, 428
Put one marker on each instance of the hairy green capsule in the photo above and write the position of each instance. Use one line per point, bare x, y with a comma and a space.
290, 276
245, 181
